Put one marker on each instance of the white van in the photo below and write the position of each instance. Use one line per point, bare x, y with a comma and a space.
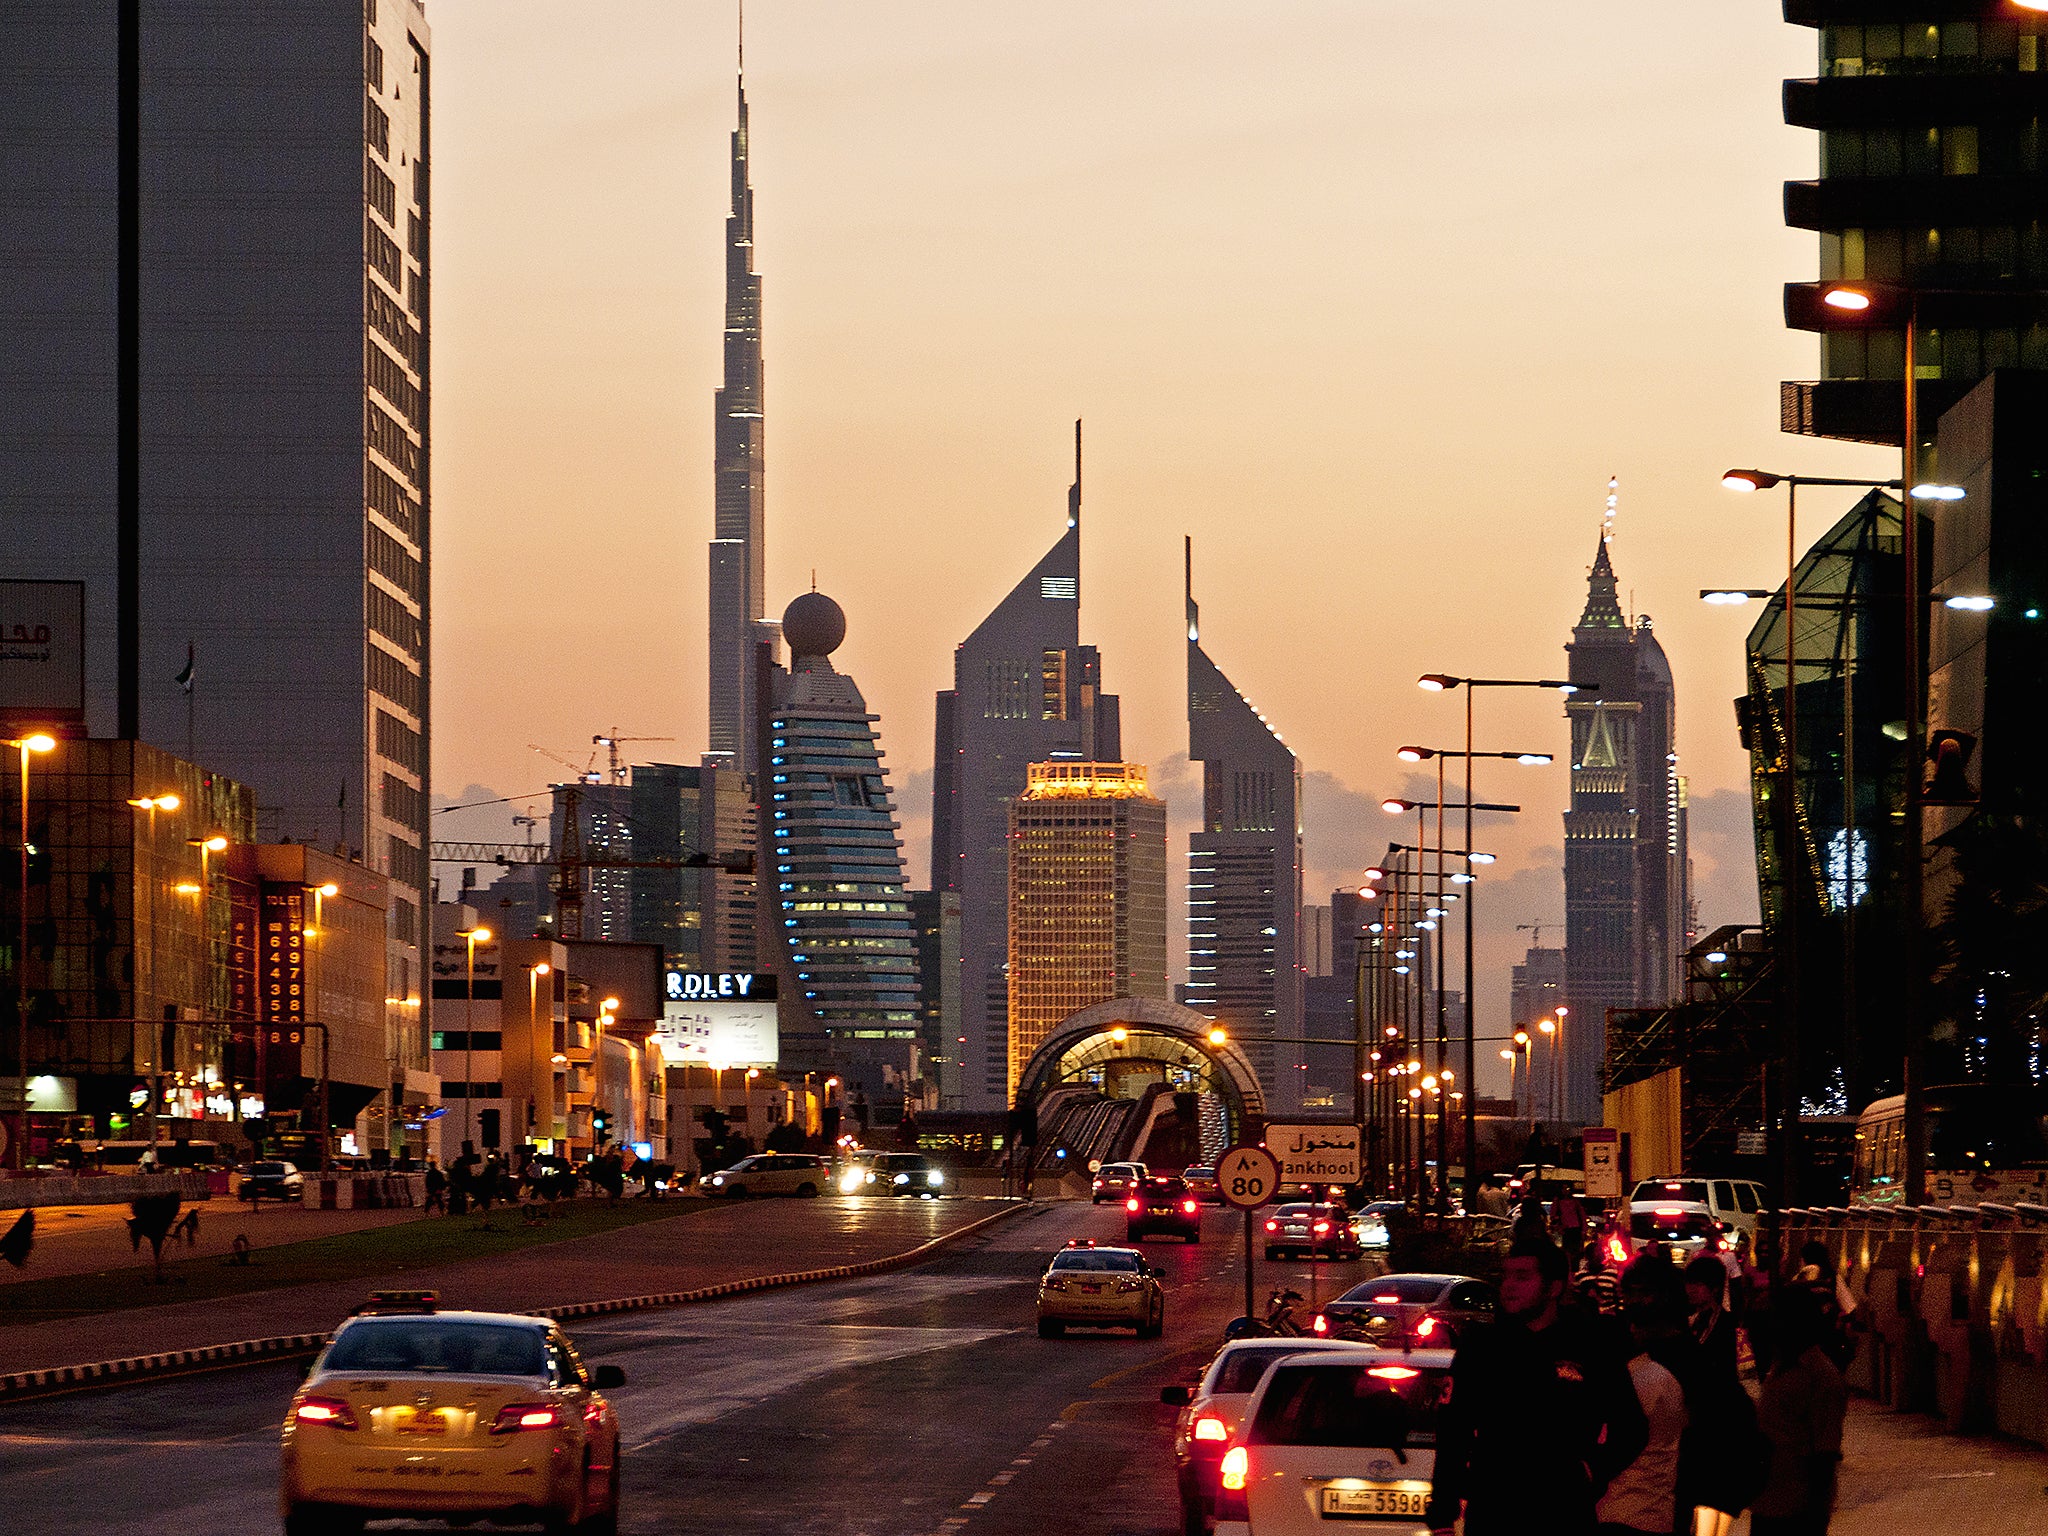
1733, 1202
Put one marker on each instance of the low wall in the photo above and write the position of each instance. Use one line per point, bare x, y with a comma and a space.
102, 1189
364, 1191
1955, 1307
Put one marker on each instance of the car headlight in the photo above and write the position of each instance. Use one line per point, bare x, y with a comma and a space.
935, 1177
718, 1178
902, 1178
849, 1184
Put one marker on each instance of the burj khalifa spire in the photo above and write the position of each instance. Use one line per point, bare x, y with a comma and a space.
738, 546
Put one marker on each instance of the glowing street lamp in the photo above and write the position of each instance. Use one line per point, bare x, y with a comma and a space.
37, 742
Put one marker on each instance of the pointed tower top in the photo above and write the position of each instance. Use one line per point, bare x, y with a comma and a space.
1603, 606
1194, 613
1074, 490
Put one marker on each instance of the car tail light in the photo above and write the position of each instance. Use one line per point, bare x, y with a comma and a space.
1387, 1301
1663, 1213
1321, 1227
1237, 1465
1426, 1329
1207, 1428
1131, 1205
514, 1417
1617, 1250
1393, 1372
1190, 1206
1321, 1325
331, 1411
1272, 1226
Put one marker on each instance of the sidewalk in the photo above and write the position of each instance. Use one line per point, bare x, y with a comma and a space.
1902, 1472
79, 1239
706, 1243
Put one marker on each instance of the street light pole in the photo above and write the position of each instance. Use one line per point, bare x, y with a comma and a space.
39, 741
471, 938
534, 973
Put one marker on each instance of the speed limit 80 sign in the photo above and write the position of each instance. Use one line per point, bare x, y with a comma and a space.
1247, 1177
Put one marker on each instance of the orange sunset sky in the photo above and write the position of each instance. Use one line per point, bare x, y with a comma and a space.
1368, 296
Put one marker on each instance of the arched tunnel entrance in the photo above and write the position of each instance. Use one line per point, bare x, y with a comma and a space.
1136, 1077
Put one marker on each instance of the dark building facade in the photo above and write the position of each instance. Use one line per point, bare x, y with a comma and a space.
1244, 877
703, 918
1025, 690
1625, 888
1930, 182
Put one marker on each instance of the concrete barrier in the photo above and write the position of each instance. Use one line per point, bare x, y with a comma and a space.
100, 1189
1954, 1304
364, 1191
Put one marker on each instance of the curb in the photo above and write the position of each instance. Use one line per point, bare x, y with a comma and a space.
24, 1385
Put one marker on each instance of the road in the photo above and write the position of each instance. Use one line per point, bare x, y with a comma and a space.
921, 1403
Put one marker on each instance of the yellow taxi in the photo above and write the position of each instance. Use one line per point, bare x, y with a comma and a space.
414, 1412
1092, 1287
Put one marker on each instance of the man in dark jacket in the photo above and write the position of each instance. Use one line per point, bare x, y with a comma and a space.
1541, 1412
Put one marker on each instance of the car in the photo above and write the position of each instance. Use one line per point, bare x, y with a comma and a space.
1735, 1203
1212, 1409
771, 1173
1330, 1438
894, 1173
1683, 1229
1162, 1204
1088, 1286
1370, 1222
272, 1181
1408, 1311
1114, 1181
416, 1413
1314, 1231
1202, 1184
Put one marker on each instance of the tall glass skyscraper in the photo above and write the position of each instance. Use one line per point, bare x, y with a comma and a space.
739, 537
1244, 875
1025, 690
845, 949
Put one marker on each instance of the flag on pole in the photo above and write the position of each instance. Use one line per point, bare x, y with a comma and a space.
184, 679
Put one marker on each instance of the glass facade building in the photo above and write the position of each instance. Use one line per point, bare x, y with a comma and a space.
1087, 897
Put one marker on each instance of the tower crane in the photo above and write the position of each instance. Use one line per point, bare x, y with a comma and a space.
612, 742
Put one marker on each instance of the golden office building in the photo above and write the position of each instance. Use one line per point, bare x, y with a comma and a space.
1087, 896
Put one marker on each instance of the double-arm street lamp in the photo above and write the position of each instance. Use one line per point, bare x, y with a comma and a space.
37, 742
1444, 682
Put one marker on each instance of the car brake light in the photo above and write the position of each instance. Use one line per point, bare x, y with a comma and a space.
1662, 1212
1322, 1324
1427, 1327
1211, 1429
1393, 1372
1674, 1188
1321, 1227
1272, 1226
517, 1416
1189, 1206
1387, 1301
1131, 1205
1236, 1466
331, 1411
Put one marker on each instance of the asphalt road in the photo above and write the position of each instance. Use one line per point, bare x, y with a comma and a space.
920, 1403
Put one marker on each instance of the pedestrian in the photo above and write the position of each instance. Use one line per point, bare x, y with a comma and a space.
1493, 1200
1708, 1319
1541, 1414
1644, 1495
1801, 1410
437, 1189
1837, 1303
1570, 1212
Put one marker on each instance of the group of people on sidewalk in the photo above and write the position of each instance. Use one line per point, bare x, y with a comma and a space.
1562, 1418
479, 1182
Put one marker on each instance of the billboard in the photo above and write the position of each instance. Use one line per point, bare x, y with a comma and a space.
720, 1019
42, 652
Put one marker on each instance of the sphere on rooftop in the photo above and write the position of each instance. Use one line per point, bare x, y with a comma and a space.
813, 625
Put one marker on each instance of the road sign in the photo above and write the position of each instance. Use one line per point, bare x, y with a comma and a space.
1247, 1177
1603, 1163
1316, 1154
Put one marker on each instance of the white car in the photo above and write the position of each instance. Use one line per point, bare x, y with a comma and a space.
1211, 1411
771, 1173
1734, 1203
1681, 1229
1329, 1439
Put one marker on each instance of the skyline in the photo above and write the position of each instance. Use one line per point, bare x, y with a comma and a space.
907, 435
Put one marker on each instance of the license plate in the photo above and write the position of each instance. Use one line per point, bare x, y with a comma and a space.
1160, 1210
1375, 1500
1091, 1290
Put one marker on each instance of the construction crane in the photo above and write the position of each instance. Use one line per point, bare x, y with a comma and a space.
611, 743
1536, 929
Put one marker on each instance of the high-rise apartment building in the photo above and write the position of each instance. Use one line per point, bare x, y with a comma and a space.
739, 531
838, 924
1244, 875
254, 549
1535, 987
1626, 893
935, 916
1930, 191
1087, 897
1025, 690
703, 917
